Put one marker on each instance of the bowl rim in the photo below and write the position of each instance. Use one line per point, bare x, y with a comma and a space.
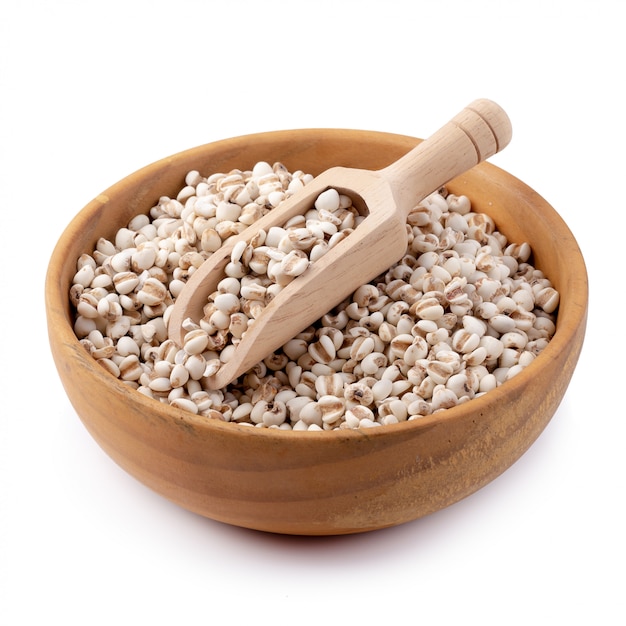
59, 315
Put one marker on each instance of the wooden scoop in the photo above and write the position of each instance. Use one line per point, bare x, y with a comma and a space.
380, 240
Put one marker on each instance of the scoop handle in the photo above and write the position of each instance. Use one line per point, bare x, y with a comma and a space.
476, 133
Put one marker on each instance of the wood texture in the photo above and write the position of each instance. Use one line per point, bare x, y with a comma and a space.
327, 482
388, 194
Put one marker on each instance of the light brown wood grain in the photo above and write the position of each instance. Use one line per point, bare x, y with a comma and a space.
326, 482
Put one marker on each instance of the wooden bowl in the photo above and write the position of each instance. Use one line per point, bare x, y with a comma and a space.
319, 483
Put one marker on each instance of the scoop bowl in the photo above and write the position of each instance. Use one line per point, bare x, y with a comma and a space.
319, 483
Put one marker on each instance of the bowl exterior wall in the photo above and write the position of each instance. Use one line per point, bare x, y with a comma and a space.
328, 482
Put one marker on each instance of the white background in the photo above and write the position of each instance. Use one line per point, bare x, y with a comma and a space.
90, 92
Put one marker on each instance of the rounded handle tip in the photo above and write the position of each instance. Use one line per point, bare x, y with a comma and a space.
495, 130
